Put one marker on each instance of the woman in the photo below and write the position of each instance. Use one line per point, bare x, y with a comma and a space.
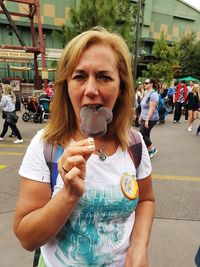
192, 102
149, 114
9, 113
138, 98
88, 221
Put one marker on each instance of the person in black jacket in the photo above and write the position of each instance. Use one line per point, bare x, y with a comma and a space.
17, 108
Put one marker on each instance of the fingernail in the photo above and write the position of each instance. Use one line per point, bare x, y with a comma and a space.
90, 141
91, 147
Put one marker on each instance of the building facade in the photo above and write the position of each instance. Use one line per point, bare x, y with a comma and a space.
174, 18
16, 63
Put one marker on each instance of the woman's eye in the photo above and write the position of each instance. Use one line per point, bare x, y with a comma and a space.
105, 78
78, 77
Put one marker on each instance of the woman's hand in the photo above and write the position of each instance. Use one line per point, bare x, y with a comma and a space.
136, 257
146, 124
72, 165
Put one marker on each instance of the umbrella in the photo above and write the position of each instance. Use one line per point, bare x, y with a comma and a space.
189, 78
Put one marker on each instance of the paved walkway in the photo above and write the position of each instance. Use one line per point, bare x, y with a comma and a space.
176, 231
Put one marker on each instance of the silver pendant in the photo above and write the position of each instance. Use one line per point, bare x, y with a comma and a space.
102, 155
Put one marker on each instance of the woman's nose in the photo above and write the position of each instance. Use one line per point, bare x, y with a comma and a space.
91, 88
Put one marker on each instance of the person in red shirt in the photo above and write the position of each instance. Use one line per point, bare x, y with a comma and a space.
179, 99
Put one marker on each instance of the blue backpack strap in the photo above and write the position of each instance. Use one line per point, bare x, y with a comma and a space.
135, 148
52, 153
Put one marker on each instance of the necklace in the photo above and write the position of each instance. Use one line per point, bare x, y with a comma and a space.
102, 155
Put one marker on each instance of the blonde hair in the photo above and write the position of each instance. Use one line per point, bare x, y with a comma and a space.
62, 124
195, 90
8, 90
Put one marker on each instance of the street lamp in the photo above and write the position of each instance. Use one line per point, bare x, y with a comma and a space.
137, 40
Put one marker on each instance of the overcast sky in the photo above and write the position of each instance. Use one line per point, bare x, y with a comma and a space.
195, 3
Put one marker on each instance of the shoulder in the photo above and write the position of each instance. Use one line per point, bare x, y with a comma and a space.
38, 169
5, 97
154, 96
135, 136
37, 139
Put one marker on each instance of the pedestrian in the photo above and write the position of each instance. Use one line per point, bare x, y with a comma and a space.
164, 90
189, 89
9, 114
149, 114
192, 102
190, 86
49, 90
88, 221
170, 95
179, 99
17, 108
138, 98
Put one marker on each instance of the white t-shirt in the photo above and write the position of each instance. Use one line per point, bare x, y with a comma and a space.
7, 103
98, 231
189, 88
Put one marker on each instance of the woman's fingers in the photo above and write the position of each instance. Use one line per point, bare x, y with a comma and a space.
72, 165
74, 180
72, 175
76, 152
83, 142
74, 161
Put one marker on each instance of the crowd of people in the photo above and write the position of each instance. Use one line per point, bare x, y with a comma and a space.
178, 99
11, 103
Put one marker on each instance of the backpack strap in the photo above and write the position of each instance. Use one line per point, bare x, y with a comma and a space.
52, 153
135, 148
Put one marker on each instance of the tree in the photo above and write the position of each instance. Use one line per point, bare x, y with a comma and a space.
190, 55
167, 56
115, 15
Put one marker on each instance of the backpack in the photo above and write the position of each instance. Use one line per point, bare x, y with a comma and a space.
162, 110
53, 152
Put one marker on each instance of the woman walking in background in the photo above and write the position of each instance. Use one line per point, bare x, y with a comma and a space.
149, 114
9, 114
192, 102
138, 98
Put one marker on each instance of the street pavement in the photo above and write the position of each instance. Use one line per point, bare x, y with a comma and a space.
176, 180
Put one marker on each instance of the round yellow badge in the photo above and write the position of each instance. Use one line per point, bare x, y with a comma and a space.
129, 186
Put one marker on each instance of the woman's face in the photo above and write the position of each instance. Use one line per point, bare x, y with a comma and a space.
95, 80
147, 84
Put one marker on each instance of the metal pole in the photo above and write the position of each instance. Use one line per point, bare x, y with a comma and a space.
137, 41
12, 23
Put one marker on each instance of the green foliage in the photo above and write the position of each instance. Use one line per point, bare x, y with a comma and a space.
167, 56
115, 15
190, 55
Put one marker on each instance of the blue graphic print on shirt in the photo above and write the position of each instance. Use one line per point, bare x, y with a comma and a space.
95, 227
